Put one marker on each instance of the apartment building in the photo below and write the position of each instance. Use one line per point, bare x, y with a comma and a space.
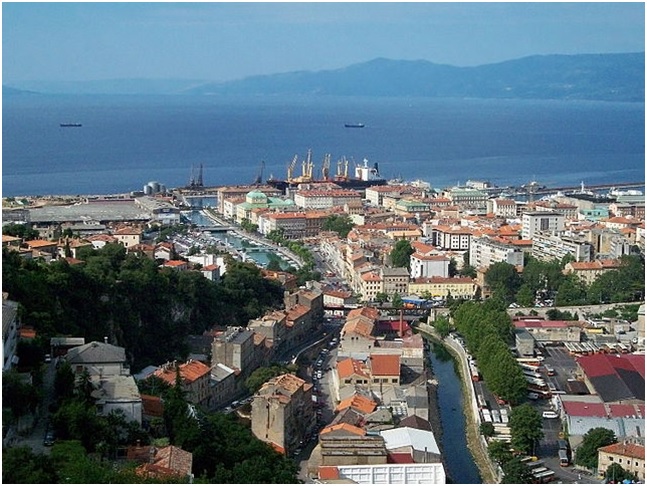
194, 378
540, 221
325, 199
441, 287
283, 413
485, 251
428, 265
550, 246
395, 281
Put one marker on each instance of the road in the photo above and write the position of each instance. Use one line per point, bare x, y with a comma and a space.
35, 438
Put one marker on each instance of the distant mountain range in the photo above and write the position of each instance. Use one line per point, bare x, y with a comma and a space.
606, 77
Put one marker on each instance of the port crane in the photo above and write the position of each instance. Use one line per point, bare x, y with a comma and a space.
291, 167
259, 178
325, 167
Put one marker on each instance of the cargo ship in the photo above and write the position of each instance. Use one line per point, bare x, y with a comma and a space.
70, 125
364, 176
354, 125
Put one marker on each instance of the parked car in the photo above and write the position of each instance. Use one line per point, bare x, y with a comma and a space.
49, 439
549, 414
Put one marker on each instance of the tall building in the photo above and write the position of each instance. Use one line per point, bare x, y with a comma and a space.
283, 412
540, 221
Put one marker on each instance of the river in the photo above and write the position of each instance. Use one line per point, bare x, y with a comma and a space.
461, 468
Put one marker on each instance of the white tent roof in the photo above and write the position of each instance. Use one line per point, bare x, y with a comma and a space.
407, 436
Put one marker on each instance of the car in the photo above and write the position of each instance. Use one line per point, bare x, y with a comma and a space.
549, 414
533, 396
49, 439
48, 358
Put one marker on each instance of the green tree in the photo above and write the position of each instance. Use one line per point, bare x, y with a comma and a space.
486, 429
587, 453
443, 326
499, 451
18, 395
381, 297
26, 232
22, 466
64, 381
526, 428
516, 472
525, 296
340, 224
571, 292
503, 278
616, 474
396, 301
401, 254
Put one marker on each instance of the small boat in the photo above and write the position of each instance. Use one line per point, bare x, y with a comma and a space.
70, 125
354, 125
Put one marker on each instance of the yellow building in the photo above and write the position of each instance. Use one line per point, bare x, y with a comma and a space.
458, 288
630, 456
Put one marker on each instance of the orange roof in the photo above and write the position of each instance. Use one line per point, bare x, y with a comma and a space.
629, 450
349, 367
27, 332
39, 243
152, 405
359, 325
345, 427
174, 263
370, 312
328, 472
189, 372
357, 402
385, 364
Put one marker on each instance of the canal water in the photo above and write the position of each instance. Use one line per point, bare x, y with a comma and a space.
261, 255
461, 468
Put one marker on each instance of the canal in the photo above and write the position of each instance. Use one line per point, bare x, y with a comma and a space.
461, 468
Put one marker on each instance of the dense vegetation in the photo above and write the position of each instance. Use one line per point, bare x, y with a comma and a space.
131, 300
487, 329
546, 280
340, 224
587, 453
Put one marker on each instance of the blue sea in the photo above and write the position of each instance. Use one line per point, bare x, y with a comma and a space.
127, 141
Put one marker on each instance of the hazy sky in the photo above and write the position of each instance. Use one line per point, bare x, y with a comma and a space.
221, 41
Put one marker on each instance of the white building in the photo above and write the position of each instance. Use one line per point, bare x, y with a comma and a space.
540, 221
486, 251
9, 332
432, 473
547, 247
426, 265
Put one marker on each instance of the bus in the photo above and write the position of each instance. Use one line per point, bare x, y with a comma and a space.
563, 458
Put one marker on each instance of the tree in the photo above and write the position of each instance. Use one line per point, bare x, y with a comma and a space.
64, 381
21, 465
587, 453
525, 296
340, 224
397, 302
263, 374
486, 429
499, 451
503, 278
401, 254
525, 428
443, 326
516, 472
615, 473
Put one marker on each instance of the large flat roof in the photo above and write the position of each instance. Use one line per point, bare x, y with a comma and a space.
92, 211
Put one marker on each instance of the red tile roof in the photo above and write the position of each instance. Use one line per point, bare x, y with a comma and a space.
385, 364
583, 409
357, 402
628, 450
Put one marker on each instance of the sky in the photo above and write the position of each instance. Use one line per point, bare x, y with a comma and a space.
219, 41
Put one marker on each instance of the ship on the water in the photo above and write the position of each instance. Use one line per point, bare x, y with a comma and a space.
354, 125
364, 174
70, 125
